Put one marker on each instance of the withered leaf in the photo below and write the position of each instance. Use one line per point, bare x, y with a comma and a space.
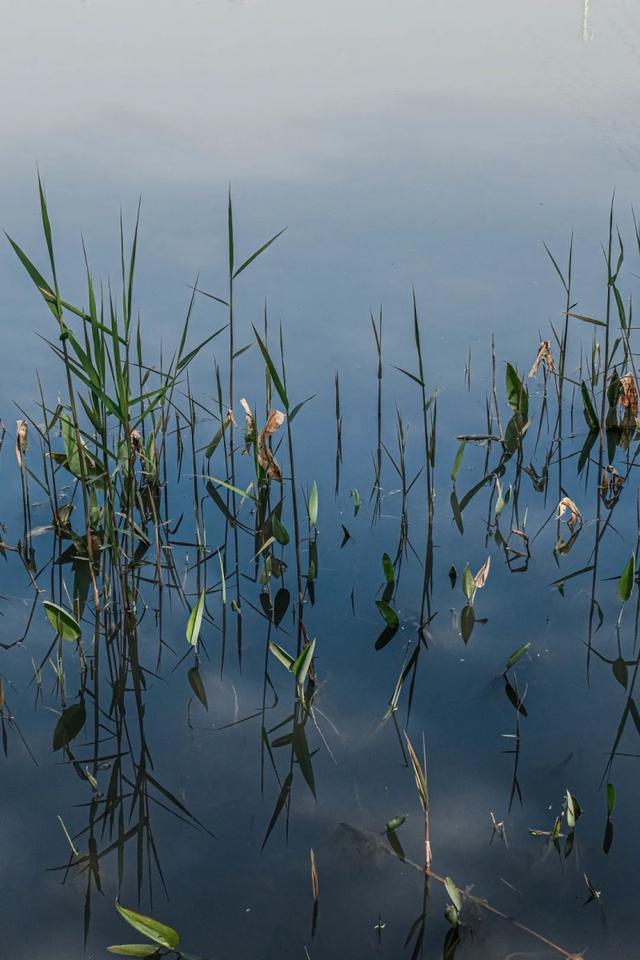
544, 356
629, 394
22, 440
265, 456
575, 516
482, 575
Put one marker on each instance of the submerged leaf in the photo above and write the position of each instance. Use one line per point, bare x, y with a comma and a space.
69, 725
198, 686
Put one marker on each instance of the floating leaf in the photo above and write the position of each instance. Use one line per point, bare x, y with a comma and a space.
611, 799
195, 621
457, 463
134, 950
156, 931
517, 394
69, 725
396, 822
388, 613
62, 622
357, 501
468, 583
279, 532
517, 655
573, 811
454, 893
625, 583
451, 914
313, 505
389, 571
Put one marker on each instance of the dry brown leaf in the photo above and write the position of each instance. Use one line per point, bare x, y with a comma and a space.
575, 516
274, 421
22, 440
247, 412
482, 575
629, 394
604, 484
315, 886
544, 356
265, 456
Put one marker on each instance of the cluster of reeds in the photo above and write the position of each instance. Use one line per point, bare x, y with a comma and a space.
107, 455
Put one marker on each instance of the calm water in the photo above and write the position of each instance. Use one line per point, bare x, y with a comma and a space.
403, 144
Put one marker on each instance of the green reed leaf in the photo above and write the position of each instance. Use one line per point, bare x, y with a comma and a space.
194, 622
154, 929
62, 622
